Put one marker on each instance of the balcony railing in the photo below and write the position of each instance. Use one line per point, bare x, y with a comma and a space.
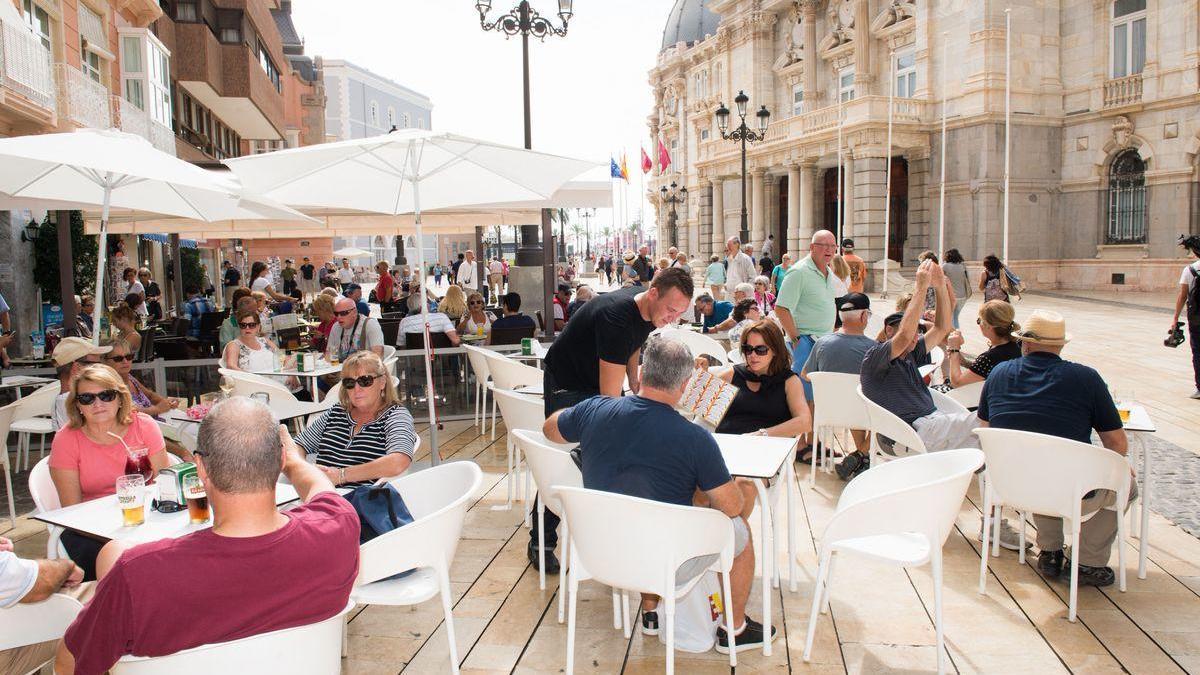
132, 119
25, 65
81, 99
1123, 91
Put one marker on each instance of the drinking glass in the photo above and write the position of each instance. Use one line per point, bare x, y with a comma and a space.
131, 496
226, 386
1123, 398
196, 498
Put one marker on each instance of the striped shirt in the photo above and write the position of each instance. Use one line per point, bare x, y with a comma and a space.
332, 439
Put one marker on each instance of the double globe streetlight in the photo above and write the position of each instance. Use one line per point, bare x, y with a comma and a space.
745, 135
676, 195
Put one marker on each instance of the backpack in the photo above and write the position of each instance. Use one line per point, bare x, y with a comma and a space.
1193, 296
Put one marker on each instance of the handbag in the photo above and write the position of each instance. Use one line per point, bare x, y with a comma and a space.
380, 510
697, 615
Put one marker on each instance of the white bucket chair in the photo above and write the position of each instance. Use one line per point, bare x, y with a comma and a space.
33, 417
6, 418
885, 423
967, 395
37, 622
509, 374
438, 499
45, 498
314, 649
643, 553
697, 343
552, 467
899, 513
282, 402
519, 411
836, 407
946, 403
477, 356
1053, 486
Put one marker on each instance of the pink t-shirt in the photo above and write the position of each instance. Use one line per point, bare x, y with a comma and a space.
100, 465
175, 594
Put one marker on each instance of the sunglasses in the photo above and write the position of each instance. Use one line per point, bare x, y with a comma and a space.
344, 312
475, 302
761, 350
248, 326
118, 359
108, 396
360, 381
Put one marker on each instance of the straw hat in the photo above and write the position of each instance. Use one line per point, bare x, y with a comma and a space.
1044, 328
629, 256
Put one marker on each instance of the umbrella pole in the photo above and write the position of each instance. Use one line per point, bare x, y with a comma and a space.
101, 258
434, 456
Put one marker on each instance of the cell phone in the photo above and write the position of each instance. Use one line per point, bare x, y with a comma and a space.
7, 333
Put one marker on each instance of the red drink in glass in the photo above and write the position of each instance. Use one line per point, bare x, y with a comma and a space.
138, 461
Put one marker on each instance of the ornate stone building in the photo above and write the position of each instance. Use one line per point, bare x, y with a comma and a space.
1105, 142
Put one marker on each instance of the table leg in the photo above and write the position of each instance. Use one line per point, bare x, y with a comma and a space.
768, 548
1144, 528
316, 392
790, 477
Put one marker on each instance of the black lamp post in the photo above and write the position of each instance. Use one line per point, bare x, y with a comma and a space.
676, 195
745, 135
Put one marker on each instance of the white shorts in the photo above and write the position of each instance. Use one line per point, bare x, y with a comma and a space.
947, 431
694, 567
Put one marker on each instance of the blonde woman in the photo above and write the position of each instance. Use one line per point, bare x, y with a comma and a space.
90, 452
840, 280
996, 322
322, 306
454, 304
367, 434
477, 320
124, 323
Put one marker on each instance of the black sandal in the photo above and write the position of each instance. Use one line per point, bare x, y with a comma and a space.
805, 456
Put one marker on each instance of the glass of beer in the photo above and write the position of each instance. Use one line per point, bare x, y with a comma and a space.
196, 498
131, 496
1123, 398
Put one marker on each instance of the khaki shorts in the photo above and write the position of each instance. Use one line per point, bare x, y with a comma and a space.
690, 569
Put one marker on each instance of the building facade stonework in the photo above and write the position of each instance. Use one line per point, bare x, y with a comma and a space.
1105, 130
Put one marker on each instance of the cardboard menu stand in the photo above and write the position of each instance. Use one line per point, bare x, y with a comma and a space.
708, 397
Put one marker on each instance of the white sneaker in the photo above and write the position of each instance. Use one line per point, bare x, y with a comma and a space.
1196, 394
1009, 537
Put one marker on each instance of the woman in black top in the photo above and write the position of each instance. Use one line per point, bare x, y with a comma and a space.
997, 325
770, 399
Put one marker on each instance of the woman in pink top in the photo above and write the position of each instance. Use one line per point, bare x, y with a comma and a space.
89, 453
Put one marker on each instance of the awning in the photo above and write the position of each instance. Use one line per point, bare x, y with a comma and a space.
164, 239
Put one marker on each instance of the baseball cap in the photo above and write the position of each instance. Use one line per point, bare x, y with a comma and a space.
893, 319
72, 349
564, 288
853, 301
848, 243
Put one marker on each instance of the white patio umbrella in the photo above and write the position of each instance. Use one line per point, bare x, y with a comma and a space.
119, 170
351, 252
404, 172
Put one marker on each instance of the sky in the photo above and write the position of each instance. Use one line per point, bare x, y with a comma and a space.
589, 91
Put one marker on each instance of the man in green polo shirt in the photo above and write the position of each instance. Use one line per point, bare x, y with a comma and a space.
805, 305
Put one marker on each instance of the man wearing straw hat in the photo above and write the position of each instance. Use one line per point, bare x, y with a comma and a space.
1042, 393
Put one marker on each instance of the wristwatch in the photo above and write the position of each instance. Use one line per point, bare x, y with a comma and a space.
341, 475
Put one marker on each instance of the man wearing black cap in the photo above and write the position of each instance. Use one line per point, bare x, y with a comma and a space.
858, 267
843, 352
562, 296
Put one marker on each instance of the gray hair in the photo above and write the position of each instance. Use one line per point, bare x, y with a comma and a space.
704, 299
239, 444
744, 287
584, 292
733, 240
666, 364
414, 302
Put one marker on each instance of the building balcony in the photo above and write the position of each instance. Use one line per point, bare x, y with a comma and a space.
27, 94
228, 80
81, 100
1122, 91
131, 119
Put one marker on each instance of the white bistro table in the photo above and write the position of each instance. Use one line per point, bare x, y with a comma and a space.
102, 518
19, 381
1139, 421
314, 375
760, 458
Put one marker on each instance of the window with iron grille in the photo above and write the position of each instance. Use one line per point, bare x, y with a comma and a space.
1127, 200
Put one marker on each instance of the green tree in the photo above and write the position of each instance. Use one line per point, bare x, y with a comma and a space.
46, 259
189, 263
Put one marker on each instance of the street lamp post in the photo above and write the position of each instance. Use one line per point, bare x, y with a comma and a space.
676, 195
744, 135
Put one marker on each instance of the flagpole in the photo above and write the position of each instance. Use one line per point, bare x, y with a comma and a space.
837, 226
941, 249
1007, 118
887, 208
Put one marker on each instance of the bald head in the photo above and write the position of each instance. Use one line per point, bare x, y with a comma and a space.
347, 305
823, 248
238, 446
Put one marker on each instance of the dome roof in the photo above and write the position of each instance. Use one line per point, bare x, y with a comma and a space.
689, 21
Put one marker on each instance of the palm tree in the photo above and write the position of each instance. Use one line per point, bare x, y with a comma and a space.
562, 217
577, 230
606, 233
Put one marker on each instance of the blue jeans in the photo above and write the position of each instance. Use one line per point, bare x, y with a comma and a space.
800, 351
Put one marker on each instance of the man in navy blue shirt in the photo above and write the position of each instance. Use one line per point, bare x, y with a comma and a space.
1042, 393
640, 446
513, 318
714, 314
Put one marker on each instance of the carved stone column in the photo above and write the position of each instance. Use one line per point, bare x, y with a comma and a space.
848, 200
758, 210
812, 97
808, 174
862, 49
720, 230
794, 217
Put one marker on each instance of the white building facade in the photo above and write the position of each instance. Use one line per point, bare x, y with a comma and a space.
1105, 140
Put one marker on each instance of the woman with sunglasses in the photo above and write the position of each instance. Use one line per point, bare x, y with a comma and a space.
770, 399
477, 320
367, 434
252, 353
90, 452
997, 325
146, 400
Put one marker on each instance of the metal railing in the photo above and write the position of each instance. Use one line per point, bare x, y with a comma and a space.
132, 119
25, 65
81, 99
1123, 91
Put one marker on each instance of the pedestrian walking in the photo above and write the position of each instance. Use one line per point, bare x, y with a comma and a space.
1189, 296
714, 276
858, 266
960, 283
288, 273
993, 281
231, 279
739, 267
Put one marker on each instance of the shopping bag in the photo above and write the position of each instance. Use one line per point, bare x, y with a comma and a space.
697, 615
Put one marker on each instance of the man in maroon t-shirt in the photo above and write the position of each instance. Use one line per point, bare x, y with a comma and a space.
256, 570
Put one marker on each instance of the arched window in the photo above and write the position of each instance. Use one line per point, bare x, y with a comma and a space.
391, 116
373, 119
1127, 199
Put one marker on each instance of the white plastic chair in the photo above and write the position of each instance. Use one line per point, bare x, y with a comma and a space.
697, 343
315, 648
836, 406
643, 553
520, 411
6, 418
33, 417
900, 513
438, 498
45, 498
967, 395
477, 357
884, 422
1053, 485
509, 374
37, 622
946, 404
282, 402
936, 356
552, 467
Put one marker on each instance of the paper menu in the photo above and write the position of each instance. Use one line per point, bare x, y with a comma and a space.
708, 396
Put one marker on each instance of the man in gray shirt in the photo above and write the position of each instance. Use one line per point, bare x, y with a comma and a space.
843, 352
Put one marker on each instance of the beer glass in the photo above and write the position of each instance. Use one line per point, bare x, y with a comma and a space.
196, 498
131, 496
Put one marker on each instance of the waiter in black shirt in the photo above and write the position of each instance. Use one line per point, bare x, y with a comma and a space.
601, 346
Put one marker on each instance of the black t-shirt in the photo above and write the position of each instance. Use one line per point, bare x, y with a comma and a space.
232, 276
307, 271
993, 357
609, 327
